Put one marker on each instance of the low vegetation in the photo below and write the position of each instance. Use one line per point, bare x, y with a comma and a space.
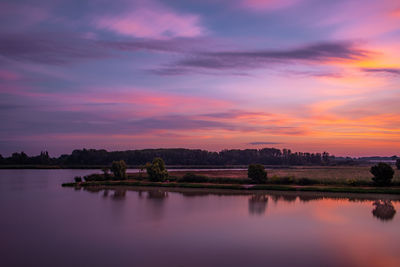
383, 174
156, 170
257, 173
157, 175
198, 178
118, 168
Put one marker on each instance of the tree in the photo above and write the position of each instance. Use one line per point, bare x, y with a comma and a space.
383, 173
156, 170
398, 164
257, 173
106, 173
118, 168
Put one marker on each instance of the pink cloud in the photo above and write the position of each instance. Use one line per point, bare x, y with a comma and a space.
28, 14
152, 21
268, 4
6, 75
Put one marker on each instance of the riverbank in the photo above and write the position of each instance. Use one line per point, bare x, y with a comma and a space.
319, 188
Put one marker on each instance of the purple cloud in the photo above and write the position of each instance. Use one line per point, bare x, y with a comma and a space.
49, 48
264, 143
251, 59
383, 70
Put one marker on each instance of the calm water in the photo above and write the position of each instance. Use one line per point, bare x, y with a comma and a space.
43, 224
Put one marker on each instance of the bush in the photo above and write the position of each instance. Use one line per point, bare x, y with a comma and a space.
156, 170
118, 168
94, 177
106, 173
398, 164
193, 178
306, 181
383, 173
257, 173
78, 179
281, 180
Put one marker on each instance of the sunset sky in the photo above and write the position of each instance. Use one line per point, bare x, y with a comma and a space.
308, 75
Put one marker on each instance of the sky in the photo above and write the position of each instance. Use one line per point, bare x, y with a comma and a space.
308, 75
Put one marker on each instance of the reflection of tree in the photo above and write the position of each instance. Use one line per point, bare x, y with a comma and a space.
92, 189
258, 204
306, 198
286, 198
384, 210
157, 194
105, 193
119, 194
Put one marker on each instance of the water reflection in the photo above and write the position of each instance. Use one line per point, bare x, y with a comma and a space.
124, 226
286, 198
258, 204
384, 210
157, 194
119, 194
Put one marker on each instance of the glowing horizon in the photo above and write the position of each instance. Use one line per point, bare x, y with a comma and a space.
306, 75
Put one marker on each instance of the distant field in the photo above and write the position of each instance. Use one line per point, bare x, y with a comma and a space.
316, 172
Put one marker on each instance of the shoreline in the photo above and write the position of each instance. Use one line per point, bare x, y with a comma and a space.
256, 187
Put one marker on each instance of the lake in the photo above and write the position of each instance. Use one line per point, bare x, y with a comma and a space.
43, 224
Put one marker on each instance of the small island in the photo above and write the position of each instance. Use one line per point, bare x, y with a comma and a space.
255, 178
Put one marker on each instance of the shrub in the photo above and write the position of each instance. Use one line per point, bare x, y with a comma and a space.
227, 180
306, 181
257, 173
193, 178
156, 170
118, 168
398, 164
383, 173
106, 173
352, 182
78, 179
281, 180
94, 177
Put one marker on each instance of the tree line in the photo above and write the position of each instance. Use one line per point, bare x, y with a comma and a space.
178, 156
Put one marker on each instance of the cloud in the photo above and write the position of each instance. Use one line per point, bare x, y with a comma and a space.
264, 143
50, 48
252, 59
6, 75
21, 15
394, 71
65, 47
152, 21
261, 5
176, 45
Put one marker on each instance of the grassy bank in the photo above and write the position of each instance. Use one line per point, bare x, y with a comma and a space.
319, 188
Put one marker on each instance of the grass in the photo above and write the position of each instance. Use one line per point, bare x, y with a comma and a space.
331, 174
354, 179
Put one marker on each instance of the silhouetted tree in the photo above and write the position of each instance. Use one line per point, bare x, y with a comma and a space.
176, 156
398, 164
118, 168
19, 158
106, 173
383, 173
257, 173
156, 170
